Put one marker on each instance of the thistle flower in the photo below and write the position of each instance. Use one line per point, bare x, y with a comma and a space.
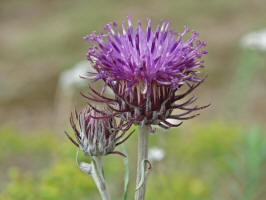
145, 70
97, 135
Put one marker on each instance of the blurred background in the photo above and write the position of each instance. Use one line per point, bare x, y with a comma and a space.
220, 155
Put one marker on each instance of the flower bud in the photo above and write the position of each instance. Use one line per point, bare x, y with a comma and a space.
97, 134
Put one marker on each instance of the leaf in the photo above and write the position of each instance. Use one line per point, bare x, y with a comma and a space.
126, 178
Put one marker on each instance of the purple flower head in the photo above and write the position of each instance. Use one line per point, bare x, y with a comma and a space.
145, 69
97, 134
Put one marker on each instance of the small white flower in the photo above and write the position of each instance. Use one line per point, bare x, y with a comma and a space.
71, 77
156, 154
254, 40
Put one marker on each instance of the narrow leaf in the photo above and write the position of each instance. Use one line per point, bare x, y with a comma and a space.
126, 178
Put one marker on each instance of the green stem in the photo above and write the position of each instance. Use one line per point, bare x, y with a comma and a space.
143, 143
97, 175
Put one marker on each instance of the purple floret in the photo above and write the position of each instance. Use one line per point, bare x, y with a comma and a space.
146, 55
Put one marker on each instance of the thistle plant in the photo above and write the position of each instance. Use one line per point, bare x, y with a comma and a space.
146, 70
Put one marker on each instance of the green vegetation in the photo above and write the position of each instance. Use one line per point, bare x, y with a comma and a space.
215, 159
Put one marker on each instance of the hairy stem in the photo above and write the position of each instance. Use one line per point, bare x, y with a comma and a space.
97, 175
143, 143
